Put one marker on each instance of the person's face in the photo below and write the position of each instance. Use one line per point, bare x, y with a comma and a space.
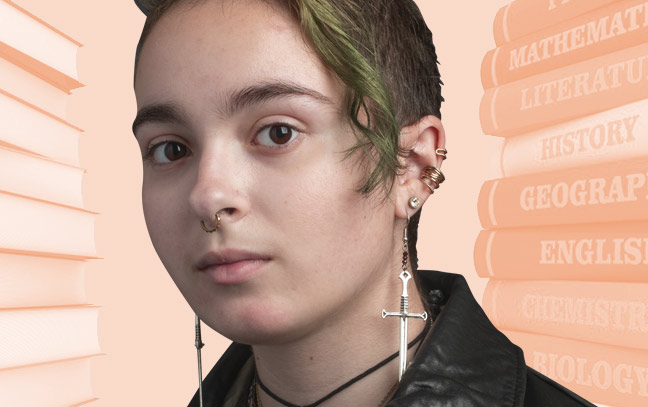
257, 134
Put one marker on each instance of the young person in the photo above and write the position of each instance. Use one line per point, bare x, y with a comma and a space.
288, 147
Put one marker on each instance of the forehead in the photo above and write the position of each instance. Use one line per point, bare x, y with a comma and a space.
208, 49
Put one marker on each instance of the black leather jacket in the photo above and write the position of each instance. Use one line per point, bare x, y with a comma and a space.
463, 362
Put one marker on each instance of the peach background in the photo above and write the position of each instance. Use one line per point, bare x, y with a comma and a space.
145, 326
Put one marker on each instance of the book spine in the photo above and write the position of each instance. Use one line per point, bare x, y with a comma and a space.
28, 87
567, 93
37, 47
30, 128
30, 281
65, 383
609, 313
39, 177
604, 30
34, 225
33, 336
615, 191
519, 18
595, 252
604, 374
612, 135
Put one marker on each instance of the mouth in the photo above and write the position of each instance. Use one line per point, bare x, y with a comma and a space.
230, 267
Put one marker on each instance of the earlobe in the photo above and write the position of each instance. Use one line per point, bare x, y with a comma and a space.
414, 202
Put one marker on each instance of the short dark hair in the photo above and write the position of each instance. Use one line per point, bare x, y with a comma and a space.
383, 52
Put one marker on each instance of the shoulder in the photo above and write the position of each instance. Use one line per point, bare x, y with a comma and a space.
542, 391
466, 361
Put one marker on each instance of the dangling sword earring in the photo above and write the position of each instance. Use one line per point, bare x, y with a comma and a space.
404, 314
199, 345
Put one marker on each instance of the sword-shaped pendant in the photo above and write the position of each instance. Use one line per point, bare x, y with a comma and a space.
199, 345
404, 314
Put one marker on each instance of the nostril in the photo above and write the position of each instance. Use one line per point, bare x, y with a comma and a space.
225, 215
226, 211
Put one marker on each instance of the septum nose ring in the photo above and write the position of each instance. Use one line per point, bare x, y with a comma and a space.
218, 224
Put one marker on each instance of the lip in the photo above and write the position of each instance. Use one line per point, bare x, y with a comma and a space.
235, 273
231, 266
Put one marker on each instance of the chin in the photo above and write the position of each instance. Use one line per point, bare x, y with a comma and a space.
257, 323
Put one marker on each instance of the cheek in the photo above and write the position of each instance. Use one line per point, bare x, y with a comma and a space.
164, 229
154, 212
323, 218
161, 216
164, 200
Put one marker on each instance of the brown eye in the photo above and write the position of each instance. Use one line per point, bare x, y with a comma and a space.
278, 134
174, 151
167, 151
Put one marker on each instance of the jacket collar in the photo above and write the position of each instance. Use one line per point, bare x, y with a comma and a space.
463, 361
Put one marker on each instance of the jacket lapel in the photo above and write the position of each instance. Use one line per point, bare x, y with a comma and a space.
464, 360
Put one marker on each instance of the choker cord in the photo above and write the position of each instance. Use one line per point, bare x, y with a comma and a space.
347, 384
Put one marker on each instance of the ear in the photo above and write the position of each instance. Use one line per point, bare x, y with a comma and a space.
422, 138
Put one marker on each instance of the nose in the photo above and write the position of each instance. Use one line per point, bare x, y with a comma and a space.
218, 189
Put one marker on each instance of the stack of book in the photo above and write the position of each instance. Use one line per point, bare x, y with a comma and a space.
48, 331
565, 239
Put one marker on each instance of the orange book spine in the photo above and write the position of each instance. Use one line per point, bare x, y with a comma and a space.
614, 191
30, 128
609, 313
605, 374
608, 29
520, 17
616, 251
567, 93
61, 383
34, 281
612, 135
39, 69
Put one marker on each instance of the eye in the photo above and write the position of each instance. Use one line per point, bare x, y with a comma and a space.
277, 135
165, 152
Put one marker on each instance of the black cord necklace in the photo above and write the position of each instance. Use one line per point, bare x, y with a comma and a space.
348, 383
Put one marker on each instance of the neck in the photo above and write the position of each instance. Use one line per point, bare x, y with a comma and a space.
303, 371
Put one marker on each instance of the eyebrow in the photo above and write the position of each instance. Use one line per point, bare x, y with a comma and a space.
159, 113
236, 101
